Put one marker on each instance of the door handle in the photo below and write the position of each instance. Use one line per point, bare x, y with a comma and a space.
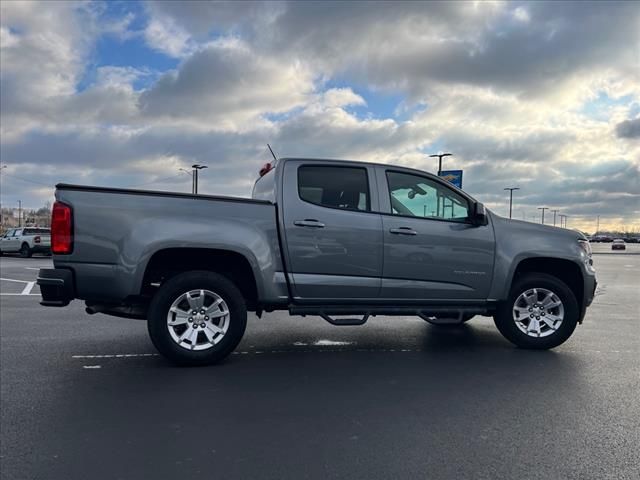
403, 231
309, 222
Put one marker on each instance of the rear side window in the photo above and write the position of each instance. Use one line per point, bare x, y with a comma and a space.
29, 231
345, 188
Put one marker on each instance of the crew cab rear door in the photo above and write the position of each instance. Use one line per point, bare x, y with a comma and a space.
431, 250
332, 237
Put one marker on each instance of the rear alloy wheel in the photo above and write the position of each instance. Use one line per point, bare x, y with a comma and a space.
25, 251
540, 313
197, 318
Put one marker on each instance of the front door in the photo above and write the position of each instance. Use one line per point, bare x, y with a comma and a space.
333, 239
431, 251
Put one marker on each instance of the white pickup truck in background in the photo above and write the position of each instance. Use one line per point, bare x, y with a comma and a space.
26, 241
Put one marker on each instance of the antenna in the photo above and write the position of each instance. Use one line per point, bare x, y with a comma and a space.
272, 154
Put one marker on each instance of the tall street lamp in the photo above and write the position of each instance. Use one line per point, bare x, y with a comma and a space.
554, 216
511, 189
543, 209
191, 175
195, 176
563, 218
440, 155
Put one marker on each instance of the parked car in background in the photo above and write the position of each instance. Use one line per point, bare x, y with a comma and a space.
26, 241
618, 244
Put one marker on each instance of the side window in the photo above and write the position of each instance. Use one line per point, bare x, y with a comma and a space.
345, 188
28, 231
17, 232
416, 196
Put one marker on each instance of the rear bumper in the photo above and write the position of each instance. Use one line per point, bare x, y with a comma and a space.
56, 287
41, 249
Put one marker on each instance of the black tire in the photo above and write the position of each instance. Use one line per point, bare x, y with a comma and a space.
25, 251
170, 291
507, 326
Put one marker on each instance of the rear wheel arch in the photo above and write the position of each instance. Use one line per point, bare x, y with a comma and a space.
167, 263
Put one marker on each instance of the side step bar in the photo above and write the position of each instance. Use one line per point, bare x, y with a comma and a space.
433, 314
343, 322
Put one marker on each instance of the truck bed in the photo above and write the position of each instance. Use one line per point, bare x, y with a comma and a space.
117, 231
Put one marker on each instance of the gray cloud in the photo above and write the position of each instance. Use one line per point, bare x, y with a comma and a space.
224, 81
628, 128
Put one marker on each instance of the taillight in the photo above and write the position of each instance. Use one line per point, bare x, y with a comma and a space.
36, 239
61, 229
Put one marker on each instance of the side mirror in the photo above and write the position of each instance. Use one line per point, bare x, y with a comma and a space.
479, 215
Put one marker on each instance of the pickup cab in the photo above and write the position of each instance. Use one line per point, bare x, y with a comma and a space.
343, 240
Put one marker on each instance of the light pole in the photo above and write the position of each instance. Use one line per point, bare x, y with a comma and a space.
440, 155
554, 217
19, 213
191, 175
1, 216
195, 176
543, 209
511, 189
598, 224
563, 218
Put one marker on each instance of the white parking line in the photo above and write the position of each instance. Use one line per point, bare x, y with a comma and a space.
20, 294
27, 288
119, 355
337, 350
26, 291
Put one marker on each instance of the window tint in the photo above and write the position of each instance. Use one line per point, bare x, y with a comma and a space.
335, 187
29, 231
413, 195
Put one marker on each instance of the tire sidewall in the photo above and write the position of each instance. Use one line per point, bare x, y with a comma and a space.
507, 325
178, 285
25, 252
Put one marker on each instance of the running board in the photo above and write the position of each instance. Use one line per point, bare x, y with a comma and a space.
437, 315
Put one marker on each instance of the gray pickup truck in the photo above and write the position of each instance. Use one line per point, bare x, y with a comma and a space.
343, 240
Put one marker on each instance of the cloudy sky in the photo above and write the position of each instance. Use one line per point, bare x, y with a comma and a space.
544, 96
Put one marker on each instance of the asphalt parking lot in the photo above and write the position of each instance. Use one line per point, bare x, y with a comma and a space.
86, 397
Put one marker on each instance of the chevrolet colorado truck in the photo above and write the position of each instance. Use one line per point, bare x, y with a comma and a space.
343, 240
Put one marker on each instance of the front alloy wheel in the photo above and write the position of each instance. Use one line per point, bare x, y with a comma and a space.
541, 312
538, 312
